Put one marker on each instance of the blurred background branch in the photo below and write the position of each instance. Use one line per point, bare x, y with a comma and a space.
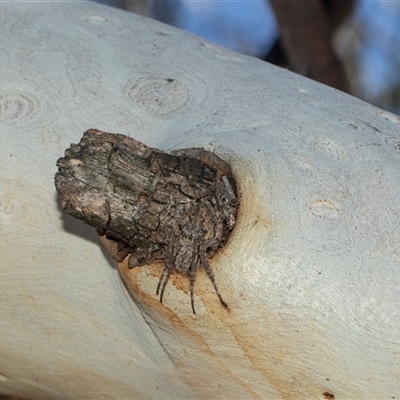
351, 45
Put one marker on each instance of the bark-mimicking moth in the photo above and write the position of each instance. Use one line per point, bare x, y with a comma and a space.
178, 207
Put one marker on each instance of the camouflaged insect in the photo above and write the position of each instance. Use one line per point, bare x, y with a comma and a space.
178, 207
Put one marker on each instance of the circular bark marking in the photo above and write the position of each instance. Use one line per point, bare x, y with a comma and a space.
7, 208
13, 209
330, 148
96, 19
324, 209
15, 107
389, 116
160, 96
326, 220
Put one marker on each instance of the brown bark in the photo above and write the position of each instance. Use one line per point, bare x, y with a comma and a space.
178, 207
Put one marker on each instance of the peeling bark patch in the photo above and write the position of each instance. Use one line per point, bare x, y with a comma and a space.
179, 208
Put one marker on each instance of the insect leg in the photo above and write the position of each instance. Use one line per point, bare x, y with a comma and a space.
169, 263
194, 266
210, 274
163, 274
167, 275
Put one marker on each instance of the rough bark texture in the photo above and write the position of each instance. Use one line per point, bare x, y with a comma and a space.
176, 207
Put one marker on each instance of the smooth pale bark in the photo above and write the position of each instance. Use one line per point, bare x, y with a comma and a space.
311, 272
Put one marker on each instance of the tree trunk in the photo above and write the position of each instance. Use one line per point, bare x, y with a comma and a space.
310, 271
